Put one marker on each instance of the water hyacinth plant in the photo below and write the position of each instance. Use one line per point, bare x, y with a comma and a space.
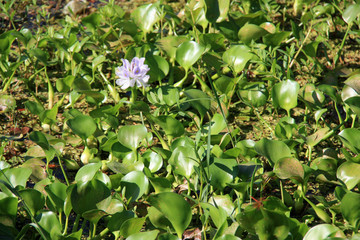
247, 126
132, 75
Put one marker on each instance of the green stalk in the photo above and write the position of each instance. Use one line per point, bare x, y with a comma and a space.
337, 56
50, 91
181, 82
9, 81
133, 94
115, 95
62, 169
76, 223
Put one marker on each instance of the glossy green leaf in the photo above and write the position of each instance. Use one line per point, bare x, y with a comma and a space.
168, 236
216, 41
87, 172
84, 126
273, 150
134, 185
222, 171
276, 39
198, 100
225, 202
117, 220
351, 13
94, 215
160, 184
266, 224
237, 57
15, 177
350, 137
212, 11
183, 160
172, 127
159, 67
131, 226
169, 44
348, 174
150, 235
158, 219
254, 94
175, 208
57, 194
188, 53
92, 21
146, 16
49, 222
152, 160
131, 136
323, 231
8, 206
225, 84
217, 124
251, 32
34, 107
90, 195
285, 94
218, 215
349, 208
64, 84
228, 237
289, 168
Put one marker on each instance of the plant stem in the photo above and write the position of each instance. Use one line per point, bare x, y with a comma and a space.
76, 223
133, 94
337, 56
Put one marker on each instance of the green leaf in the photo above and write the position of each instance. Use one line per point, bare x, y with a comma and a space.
351, 13
159, 67
172, 127
188, 53
131, 226
117, 220
251, 32
131, 136
15, 177
218, 215
134, 185
254, 94
90, 195
273, 150
212, 11
34, 200
222, 172
198, 100
87, 172
285, 94
348, 172
49, 222
64, 84
151, 235
289, 168
152, 160
323, 231
349, 208
84, 126
169, 44
57, 193
92, 21
237, 57
350, 137
183, 161
175, 208
146, 16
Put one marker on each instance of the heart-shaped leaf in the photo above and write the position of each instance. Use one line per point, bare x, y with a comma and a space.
131, 136
188, 53
135, 184
289, 168
90, 195
150, 235
198, 100
349, 208
254, 94
57, 193
87, 172
146, 16
251, 32
285, 94
351, 13
84, 126
237, 57
323, 231
175, 209
183, 161
348, 173
273, 150
350, 137
50, 224
222, 172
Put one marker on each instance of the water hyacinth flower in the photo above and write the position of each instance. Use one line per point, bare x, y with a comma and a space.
131, 74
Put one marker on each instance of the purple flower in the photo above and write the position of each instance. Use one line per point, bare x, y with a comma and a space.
132, 73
